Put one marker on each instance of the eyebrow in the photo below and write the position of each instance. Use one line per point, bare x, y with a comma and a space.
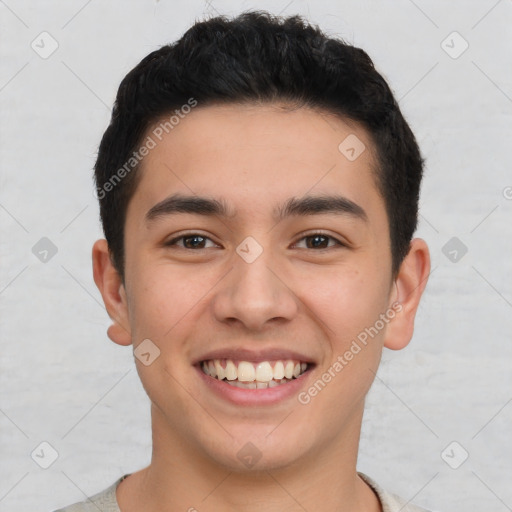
308, 205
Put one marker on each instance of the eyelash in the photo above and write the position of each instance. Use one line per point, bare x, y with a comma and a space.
172, 242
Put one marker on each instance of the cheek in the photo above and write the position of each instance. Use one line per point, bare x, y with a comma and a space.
349, 303
347, 300
165, 299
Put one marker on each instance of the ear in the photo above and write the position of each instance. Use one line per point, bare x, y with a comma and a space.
112, 290
410, 284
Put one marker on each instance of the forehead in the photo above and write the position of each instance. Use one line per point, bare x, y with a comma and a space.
256, 156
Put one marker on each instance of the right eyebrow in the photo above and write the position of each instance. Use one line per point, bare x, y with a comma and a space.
196, 205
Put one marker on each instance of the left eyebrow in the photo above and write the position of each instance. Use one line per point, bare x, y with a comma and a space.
317, 205
308, 205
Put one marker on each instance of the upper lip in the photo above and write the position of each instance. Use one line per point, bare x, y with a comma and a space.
243, 354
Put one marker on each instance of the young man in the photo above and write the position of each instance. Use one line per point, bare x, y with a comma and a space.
258, 190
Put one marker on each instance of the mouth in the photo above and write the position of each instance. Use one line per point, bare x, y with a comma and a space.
255, 375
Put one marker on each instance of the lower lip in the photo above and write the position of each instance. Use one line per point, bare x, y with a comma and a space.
267, 396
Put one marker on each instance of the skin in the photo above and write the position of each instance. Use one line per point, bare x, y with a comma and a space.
316, 301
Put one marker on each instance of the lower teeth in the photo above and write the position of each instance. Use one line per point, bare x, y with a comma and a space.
256, 384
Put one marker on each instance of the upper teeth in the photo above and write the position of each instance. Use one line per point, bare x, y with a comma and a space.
249, 372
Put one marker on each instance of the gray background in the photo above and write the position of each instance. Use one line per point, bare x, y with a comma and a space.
64, 382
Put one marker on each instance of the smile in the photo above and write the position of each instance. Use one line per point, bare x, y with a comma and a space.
248, 375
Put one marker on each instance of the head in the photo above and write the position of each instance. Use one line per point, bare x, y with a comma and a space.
274, 133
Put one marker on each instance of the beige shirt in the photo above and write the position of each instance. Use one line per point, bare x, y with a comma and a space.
105, 501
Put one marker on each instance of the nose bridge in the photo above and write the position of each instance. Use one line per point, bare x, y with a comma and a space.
253, 292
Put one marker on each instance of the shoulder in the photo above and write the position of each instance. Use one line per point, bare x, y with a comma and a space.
104, 501
390, 502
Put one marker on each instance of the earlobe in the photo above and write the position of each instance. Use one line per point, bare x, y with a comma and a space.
409, 286
112, 290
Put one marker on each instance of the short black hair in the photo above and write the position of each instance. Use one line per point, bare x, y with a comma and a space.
255, 58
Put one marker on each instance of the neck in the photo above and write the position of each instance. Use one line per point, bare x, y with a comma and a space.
181, 477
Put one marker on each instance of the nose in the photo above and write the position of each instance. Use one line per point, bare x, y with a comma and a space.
255, 294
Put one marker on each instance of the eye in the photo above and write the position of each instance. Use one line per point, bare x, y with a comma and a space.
190, 241
316, 240
319, 241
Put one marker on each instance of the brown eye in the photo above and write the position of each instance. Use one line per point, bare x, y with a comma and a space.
191, 241
320, 241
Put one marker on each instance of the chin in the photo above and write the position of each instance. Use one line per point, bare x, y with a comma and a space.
256, 453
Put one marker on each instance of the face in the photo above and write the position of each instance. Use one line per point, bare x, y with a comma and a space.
256, 286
